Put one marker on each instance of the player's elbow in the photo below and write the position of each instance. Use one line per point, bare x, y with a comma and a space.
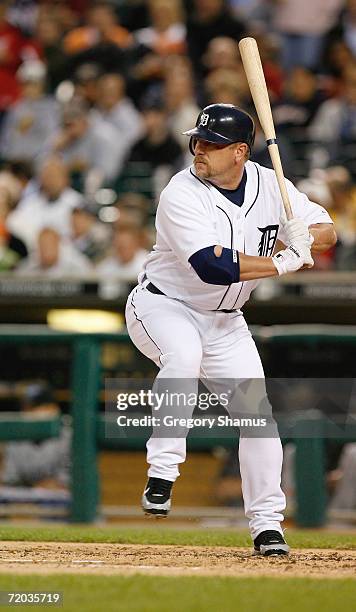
216, 270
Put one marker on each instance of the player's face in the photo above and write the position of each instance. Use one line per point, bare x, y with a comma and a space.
215, 161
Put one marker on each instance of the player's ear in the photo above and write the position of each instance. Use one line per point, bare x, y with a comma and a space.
241, 151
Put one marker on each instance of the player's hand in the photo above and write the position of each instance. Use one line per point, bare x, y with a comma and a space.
297, 231
294, 257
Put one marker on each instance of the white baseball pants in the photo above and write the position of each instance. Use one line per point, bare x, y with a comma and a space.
187, 343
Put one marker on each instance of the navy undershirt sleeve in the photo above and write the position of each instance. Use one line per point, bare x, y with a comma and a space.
223, 270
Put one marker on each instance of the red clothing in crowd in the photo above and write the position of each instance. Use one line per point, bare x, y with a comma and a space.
14, 48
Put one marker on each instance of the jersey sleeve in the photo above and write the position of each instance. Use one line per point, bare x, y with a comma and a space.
305, 209
185, 223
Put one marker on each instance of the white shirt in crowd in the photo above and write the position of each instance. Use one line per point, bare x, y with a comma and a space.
70, 263
37, 211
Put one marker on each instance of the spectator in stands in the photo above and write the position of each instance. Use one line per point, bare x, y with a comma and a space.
49, 36
54, 257
261, 155
167, 32
136, 209
295, 112
340, 474
158, 148
210, 18
86, 146
32, 119
162, 39
299, 104
343, 480
124, 263
89, 236
334, 125
336, 58
342, 209
179, 98
222, 52
86, 79
102, 27
12, 46
23, 172
302, 27
345, 29
12, 248
127, 256
22, 14
115, 109
255, 12
44, 464
50, 207
224, 86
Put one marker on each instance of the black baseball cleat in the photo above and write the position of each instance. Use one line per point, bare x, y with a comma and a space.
270, 543
156, 498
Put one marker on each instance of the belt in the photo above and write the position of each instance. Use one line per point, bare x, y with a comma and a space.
153, 289
224, 310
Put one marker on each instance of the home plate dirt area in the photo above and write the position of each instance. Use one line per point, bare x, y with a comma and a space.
125, 559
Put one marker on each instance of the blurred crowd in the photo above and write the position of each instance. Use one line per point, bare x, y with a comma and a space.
95, 96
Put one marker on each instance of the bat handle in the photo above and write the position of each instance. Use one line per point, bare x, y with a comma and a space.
277, 165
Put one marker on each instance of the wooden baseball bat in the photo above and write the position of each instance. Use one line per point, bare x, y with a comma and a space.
256, 79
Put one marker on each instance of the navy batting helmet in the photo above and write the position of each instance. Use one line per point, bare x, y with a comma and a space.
223, 124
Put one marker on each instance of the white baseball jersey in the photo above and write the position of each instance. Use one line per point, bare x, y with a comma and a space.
192, 214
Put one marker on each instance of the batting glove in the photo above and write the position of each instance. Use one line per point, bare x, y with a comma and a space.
294, 257
297, 231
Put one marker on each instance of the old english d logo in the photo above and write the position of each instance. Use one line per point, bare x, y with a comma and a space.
268, 240
204, 119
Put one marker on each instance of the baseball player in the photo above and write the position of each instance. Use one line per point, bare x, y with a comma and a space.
219, 224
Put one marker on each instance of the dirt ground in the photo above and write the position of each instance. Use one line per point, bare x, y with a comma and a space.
124, 559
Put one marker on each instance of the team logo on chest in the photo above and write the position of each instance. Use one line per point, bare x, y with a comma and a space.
204, 119
268, 240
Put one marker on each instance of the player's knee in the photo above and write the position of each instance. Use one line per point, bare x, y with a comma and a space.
183, 362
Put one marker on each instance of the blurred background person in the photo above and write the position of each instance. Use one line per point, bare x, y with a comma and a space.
334, 126
88, 235
49, 35
158, 148
180, 100
87, 147
14, 47
101, 26
302, 27
12, 248
125, 259
167, 32
39, 465
345, 28
23, 172
50, 206
127, 255
85, 79
208, 19
116, 109
31, 120
54, 257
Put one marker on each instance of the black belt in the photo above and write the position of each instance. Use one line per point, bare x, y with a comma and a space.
224, 310
153, 289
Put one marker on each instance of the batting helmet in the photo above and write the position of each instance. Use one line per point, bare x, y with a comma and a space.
222, 124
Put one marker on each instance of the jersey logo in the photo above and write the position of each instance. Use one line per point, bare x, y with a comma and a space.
204, 119
268, 240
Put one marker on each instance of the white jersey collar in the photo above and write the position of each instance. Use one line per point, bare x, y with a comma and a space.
252, 185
